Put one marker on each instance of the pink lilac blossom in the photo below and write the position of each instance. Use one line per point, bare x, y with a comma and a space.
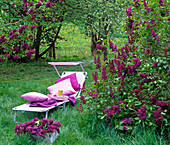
48, 4
158, 116
31, 36
111, 66
162, 104
126, 121
82, 98
155, 35
168, 72
95, 77
33, 128
104, 73
80, 109
129, 11
16, 48
111, 92
121, 102
37, 20
98, 63
154, 100
143, 75
33, 26
43, 17
148, 51
155, 64
137, 3
15, 57
38, 5
32, 18
142, 113
161, 3
111, 45
95, 59
1, 59
125, 127
30, 4
111, 111
22, 28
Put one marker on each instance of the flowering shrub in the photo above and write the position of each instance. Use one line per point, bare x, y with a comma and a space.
132, 88
20, 40
38, 127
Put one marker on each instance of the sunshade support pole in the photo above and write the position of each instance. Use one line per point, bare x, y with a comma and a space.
57, 71
46, 114
15, 115
83, 70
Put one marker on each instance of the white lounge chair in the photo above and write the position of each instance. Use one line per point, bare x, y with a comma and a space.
80, 78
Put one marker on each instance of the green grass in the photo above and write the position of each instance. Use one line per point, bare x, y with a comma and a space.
76, 128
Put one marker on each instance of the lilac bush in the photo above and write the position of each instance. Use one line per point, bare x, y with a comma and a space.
132, 88
18, 42
38, 127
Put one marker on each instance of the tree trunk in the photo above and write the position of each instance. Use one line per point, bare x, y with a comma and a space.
37, 42
93, 43
54, 51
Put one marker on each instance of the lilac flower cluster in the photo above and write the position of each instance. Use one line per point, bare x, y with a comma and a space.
38, 5
15, 57
111, 111
111, 66
3, 39
121, 102
80, 109
129, 11
16, 48
22, 28
102, 48
111, 92
31, 12
126, 121
155, 64
137, 62
33, 26
146, 7
161, 3
25, 46
12, 34
154, 100
95, 76
38, 127
97, 62
148, 51
142, 113
155, 35
30, 53
137, 3
158, 116
143, 75
112, 46
82, 98
162, 104
49, 4
93, 93
104, 73
1, 59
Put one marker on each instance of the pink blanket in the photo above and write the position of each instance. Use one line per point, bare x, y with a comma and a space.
51, 102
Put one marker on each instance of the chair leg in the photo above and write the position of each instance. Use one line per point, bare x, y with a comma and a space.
15, 115
64, 105
46, 115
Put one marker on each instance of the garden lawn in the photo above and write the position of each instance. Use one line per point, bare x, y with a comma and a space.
76, 128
